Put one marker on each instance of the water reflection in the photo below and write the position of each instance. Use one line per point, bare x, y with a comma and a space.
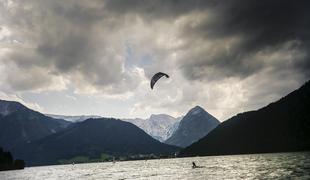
256, 166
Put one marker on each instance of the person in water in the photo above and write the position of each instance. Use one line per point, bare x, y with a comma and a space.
194, 165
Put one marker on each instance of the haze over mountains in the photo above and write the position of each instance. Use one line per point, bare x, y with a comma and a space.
196, 124
281, 126
73, 118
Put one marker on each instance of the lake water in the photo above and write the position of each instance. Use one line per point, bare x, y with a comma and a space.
255, 166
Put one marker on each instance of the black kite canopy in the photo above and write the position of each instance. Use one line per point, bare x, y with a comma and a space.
156, 77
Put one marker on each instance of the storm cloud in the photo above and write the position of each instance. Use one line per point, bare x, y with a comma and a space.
243, 30
227, 56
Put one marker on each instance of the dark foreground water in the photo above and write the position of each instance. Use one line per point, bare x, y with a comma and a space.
256, 166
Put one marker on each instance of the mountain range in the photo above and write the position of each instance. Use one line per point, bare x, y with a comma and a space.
159, 126
20, 125
40, 140
281, 126
196, 124
92, 138
165, 128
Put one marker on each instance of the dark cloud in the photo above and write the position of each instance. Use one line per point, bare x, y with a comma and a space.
67, 34
68, 52
259, 25
268, 23
151, 9
219, 53
80, 12
66, 39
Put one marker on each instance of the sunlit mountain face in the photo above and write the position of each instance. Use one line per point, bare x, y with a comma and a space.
97, 58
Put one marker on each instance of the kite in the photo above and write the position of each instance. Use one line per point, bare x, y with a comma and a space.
156, 77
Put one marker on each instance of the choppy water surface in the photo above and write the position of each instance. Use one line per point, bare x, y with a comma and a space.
256, 166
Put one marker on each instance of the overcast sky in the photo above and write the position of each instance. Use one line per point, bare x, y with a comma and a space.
76, 57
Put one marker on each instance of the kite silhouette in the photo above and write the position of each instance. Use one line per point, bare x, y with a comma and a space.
156, 77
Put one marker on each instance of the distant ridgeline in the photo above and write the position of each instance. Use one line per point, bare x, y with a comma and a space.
8, 163
42, 140
93, 140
